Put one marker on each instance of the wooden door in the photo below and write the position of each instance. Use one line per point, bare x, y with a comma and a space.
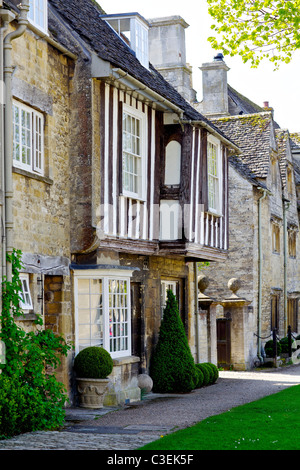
223, 343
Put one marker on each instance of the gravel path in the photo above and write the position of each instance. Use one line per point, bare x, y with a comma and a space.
132, 426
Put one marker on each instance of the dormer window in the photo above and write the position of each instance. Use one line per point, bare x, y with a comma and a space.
133, 30
38, 14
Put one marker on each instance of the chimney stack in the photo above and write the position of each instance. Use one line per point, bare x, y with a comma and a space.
167, 52
215, 88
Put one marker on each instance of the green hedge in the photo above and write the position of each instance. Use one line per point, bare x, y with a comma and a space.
269, 348
209, 372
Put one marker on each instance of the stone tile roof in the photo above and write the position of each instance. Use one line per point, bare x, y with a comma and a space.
245, 105
83, 16
238, 165
252, 133
295, 146
283, 142
295, 141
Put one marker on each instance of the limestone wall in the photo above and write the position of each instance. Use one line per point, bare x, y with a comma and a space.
41, 203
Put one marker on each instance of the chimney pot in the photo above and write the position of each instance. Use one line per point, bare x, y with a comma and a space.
219, 56
266, 104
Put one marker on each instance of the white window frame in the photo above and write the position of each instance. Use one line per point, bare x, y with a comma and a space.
106, 276
215, 180
36, 7
134, 32
173, 163
139, 157
165, 286
26, 303
139, 41
33, 134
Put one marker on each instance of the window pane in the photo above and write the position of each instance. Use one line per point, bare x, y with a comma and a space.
118, 315
83, 286
83, 301
26, 302
131, 154
90, 318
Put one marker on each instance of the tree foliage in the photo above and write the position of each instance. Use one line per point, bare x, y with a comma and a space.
256, 29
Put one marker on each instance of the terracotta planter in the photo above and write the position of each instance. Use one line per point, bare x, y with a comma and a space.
91, 392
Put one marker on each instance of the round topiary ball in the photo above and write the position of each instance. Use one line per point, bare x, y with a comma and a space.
206, 373
200, 377
214, 371
93, 362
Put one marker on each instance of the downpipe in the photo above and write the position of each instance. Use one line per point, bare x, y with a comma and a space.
8, 117
286, 205
260, 269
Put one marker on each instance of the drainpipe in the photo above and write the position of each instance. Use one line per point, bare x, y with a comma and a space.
286, 205
196, 311
7, 17
8, 139
260, 268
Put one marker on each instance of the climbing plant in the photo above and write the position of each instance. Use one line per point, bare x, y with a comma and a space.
31, 398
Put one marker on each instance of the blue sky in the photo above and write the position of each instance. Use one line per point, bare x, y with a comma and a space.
280, 88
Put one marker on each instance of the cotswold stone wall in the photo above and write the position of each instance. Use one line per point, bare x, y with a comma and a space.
41, 203
152, 270
242, 263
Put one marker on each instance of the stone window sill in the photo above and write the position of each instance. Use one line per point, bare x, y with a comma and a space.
119, 361
27, 317
34, 176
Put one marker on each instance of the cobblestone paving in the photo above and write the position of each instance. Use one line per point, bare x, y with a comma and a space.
132, 426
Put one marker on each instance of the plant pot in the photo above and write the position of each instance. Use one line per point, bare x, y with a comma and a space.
91, 392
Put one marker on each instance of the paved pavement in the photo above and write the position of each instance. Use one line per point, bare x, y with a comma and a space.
130, 427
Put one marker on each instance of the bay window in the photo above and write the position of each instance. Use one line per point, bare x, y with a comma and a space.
103, 312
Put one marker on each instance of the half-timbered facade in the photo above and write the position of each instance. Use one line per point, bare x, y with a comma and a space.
137, 176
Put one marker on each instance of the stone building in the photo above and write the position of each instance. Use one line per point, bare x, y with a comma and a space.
35, 208
264, 222
110, 199
263, 219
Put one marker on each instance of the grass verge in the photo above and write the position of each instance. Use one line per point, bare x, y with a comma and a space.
271, 423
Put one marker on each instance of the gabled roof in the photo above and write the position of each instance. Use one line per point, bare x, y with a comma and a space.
84, 17
253, 134
295, 141
283, 144
240, 167
245, 105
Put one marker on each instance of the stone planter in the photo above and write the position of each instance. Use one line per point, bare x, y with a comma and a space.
91, 392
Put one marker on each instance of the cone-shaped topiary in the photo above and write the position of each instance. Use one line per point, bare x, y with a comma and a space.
172, 366
93, 363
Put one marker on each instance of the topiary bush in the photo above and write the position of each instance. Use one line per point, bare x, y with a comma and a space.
93, 362
207, 374
269, 348
214, 371
172, 367
284, 344
200, 377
